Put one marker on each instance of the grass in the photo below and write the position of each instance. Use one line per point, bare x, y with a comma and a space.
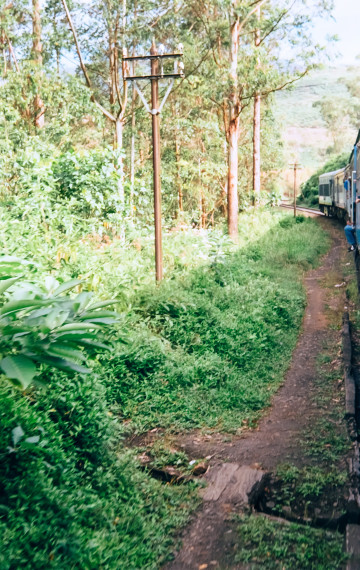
207, 348
316, 489
210, 349
268, 544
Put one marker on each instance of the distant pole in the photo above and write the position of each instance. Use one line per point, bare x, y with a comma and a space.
156, 163
296, 167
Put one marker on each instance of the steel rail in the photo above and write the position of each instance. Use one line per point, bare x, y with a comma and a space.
301, 209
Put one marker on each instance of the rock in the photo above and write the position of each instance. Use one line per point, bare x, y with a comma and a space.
200, 468
235, 484
353, 546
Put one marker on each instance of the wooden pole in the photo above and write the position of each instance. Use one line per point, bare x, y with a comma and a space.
156, 163
295, 167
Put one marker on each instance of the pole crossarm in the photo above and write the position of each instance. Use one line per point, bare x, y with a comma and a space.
163, 76
158, 56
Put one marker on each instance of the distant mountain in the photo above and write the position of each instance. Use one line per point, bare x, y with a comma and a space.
305, 136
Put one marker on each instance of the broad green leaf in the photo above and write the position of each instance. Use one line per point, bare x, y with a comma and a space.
76, 335
77, 327
89, 315
19, 368
103, 304
103, 321
82, 300
56, 318
4, 285
67, 286
86, 342
14, 306
17, 434
61, 363
51, 284
63, 351
12, 259
33, 439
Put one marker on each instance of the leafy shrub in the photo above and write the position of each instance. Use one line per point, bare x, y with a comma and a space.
89, 181
45, 327
67, 498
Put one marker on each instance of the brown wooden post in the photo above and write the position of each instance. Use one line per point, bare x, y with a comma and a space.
156, 162
295, 168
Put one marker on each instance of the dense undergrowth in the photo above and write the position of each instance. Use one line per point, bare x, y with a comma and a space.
205, 349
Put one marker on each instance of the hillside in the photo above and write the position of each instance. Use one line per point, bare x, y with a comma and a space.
306, 138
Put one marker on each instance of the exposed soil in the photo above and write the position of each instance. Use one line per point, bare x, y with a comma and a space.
276, 440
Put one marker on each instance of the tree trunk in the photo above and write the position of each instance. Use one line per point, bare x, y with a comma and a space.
203, 211
233, 134
178, 177
132, 153
232, 191
39, 107
256, 149
119, 128
256, 129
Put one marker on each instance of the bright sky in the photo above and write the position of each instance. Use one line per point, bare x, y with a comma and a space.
346, 27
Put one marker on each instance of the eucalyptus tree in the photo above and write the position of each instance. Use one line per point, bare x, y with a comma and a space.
241, 69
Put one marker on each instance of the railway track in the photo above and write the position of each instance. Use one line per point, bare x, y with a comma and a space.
300, 209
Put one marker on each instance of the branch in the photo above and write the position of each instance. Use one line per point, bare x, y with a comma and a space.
277, 22
280, 87
82, 65
11, 49
257, 5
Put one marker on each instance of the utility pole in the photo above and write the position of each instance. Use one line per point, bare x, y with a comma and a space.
296, 167
157, 73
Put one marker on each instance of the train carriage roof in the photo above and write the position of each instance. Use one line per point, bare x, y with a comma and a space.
333, 173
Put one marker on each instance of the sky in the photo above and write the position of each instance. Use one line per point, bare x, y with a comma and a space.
346, 25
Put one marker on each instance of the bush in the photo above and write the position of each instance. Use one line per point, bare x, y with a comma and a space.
89, 181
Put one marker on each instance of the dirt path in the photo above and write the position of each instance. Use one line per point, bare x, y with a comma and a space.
276, 439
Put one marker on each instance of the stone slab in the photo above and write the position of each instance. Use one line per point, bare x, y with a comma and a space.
233, 483
353, 546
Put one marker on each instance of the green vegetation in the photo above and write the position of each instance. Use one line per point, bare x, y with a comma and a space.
43, 326
310, 189
204, 349
218, 341
272, 545
201, 350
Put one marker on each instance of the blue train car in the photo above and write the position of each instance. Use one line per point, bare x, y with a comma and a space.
332, 195
338, 191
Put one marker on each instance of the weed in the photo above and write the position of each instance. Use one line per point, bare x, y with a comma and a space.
273, 545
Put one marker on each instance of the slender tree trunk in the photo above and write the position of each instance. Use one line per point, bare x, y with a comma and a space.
178, 177
119, 128
132, 152
203, 210
256, 148
233, 134
39, 107
232, 192
256, 131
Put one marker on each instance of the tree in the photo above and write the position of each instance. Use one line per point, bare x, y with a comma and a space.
39, 108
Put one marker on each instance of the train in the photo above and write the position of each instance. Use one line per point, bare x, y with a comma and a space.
338, 191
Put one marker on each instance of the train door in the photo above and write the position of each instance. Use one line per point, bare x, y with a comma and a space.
353, 196
348, 198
